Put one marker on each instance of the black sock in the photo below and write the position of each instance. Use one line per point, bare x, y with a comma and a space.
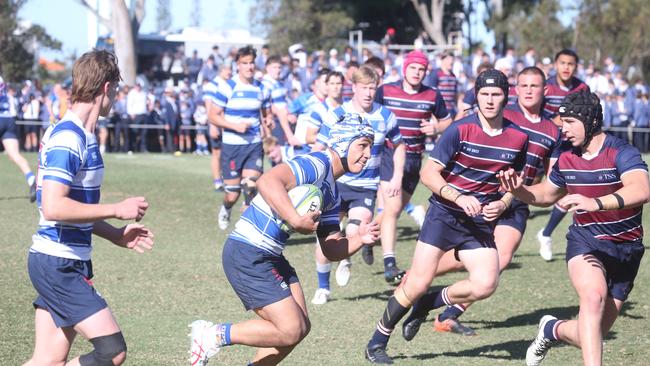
429, 301
393, 313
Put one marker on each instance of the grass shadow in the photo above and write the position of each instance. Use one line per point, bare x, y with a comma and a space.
531, 318
510, 350
379, 295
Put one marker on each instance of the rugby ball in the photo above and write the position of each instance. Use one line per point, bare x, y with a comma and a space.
305, 198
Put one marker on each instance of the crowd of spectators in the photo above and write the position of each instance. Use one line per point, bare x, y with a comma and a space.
167, 114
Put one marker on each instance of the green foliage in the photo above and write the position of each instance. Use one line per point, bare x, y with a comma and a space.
16, 61
617, 28
314, 23
154, 296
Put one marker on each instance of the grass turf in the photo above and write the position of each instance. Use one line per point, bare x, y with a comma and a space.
156, 295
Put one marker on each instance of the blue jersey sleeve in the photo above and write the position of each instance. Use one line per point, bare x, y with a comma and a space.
629, 159
307, 169
222, 95
63, 156
447, 146
556, 177
392, 129
440, 110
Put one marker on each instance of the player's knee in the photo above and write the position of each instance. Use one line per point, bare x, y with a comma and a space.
232, 188
592, 301
291, 336
484, 287
249, 186
108, 350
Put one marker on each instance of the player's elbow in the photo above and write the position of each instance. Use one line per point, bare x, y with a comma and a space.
51, 211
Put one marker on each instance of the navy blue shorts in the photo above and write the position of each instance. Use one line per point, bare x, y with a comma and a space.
64, 288
103, 122
258, 277
7, 128
352, 197
621, 260
515, 216
446, 230
235, 158
412, 165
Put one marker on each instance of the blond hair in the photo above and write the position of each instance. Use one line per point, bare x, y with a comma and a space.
90, 72
365, 75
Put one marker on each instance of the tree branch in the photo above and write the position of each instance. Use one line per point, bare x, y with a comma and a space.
105, 22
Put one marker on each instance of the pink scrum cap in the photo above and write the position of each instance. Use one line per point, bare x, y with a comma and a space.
415, 56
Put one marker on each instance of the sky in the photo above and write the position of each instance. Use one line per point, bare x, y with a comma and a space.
66, 20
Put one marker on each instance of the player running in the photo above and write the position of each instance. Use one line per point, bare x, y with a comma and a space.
9, 140
604, 182
243, 110
461, 174
543, 141
252, 256
69, 179
420, 111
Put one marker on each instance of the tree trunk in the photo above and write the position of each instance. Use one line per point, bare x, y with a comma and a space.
432, 22
124, 40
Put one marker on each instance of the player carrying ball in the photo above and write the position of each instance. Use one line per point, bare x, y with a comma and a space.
604, 181
252, 255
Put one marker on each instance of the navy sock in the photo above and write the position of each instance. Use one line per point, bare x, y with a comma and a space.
389, 261
428, 302
452, 312
556, 216
548, 329
393, 313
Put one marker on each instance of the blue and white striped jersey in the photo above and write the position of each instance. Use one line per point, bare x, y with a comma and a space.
69, 155
384, 123
259, 226
4, 100
242, 102
277, 91
211, 89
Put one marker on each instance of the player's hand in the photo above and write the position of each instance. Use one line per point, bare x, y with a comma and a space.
493, 210
429, 127
394, 187
510, 180
269, 122
136, 237
131, 209
241, 127
369, 232
306, 224
575, 202
293, 140
469, 204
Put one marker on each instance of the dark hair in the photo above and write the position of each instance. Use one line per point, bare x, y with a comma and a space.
246, 51
533, 70
375, 62
323, 71
274, 59
332, 74
567, 52
352, 64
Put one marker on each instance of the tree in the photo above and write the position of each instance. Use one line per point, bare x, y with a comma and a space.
431, 18
525, 29
17, 45
124, 26
314, 23
617, 28
164, 17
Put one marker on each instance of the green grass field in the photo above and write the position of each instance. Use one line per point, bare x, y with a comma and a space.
156, 295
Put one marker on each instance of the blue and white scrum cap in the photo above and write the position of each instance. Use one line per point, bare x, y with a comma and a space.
349, 127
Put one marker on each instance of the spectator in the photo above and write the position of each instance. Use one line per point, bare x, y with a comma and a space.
201, 120
176, 69
208, 71
120, 119
31, 112
260, 61
136, 107
641, 120
170, 115
184, 138
193, 66
218, 58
